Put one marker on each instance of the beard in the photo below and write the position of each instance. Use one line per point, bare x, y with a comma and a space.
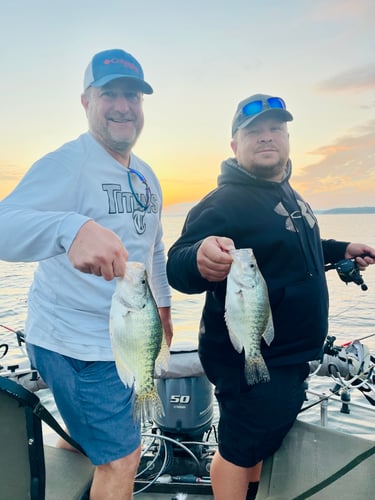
116, 141
269, 172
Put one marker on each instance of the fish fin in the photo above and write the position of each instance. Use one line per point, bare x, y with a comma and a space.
125, 374
269, 332
116, 331
147, 406
161, 362
235, 340
256, 370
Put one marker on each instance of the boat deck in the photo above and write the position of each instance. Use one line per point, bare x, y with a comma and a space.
163, 491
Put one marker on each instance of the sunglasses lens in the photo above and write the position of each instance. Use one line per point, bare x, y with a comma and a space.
276, 103
255, 107
252, 108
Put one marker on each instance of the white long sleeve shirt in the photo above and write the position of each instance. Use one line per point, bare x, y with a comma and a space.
68, 311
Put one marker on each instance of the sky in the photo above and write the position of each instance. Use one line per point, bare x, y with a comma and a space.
201, 57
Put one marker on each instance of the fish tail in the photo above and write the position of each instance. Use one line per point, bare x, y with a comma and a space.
256, 370
148, 406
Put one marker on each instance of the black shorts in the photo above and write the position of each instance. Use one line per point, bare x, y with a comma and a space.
255, 419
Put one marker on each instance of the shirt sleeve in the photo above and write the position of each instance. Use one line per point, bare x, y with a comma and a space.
160, 283
37, 220
182, 268
333, 250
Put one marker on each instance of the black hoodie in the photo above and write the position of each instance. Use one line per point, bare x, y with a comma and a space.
273, 220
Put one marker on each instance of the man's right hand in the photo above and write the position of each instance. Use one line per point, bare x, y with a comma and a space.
97, 250
213, 258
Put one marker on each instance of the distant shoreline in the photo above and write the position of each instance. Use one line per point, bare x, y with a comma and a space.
346, 210
179, 209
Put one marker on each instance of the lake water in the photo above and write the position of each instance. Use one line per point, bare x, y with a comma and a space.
352, 311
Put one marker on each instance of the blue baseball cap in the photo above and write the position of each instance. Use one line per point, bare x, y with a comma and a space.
112, 64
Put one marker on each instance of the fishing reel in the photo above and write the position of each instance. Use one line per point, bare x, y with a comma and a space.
348, 271
330, 347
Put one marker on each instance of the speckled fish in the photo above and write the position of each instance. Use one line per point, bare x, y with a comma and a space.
138, 340
248, 313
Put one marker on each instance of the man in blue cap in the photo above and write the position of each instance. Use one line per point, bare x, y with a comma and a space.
82, 211
254, 206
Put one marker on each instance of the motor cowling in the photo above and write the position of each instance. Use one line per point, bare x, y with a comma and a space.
186, 394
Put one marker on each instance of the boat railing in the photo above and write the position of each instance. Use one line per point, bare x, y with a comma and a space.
324, 400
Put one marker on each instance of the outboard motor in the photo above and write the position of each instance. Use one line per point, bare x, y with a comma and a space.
186, 394
180, 448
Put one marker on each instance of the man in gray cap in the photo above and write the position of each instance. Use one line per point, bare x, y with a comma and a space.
82, 211
255, 207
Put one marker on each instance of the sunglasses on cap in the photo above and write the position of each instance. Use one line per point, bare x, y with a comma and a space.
255, 107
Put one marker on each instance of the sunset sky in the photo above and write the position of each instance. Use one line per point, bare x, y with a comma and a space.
201, 57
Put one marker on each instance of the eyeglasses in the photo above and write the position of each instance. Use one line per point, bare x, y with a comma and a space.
144, 205
255, 107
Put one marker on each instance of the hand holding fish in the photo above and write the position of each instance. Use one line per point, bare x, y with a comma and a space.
213, 258
97, 250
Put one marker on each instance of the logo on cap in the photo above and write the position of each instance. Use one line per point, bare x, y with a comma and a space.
126, 64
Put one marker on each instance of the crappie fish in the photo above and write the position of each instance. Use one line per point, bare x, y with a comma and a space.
248, 313
138, 340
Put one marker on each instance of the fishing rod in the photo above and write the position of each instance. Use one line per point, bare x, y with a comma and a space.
8, 328
20, 335
20, 339
358, 340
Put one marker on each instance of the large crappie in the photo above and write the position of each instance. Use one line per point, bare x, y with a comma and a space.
138, 339
248, 313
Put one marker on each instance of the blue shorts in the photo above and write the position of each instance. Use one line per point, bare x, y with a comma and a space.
95, 405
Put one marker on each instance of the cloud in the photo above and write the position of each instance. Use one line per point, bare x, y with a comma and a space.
343, 10
346, 167
11, 172
360, 78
